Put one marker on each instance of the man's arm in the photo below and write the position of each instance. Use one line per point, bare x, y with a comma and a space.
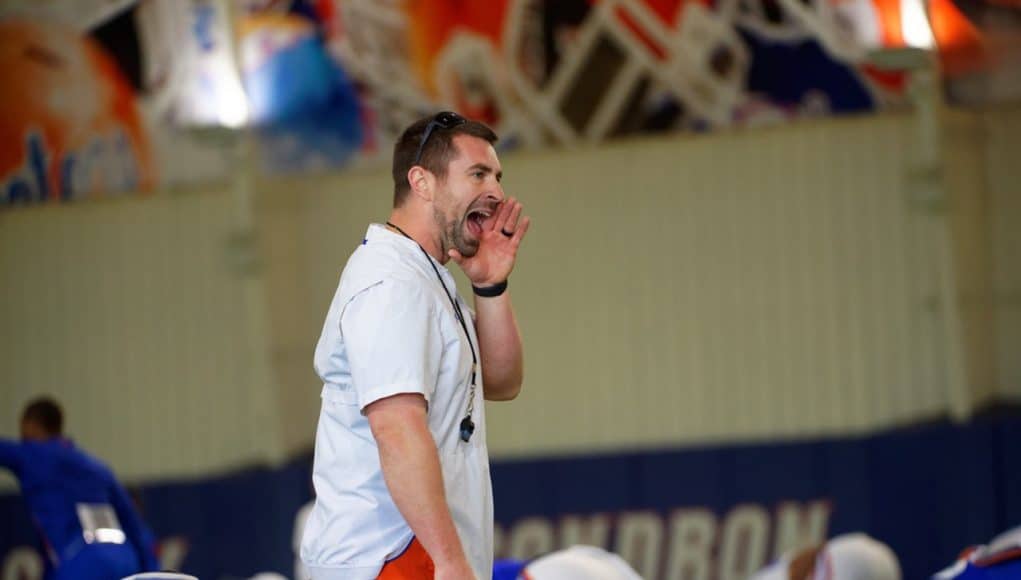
11, 455
500, 347
411, 468
499, 338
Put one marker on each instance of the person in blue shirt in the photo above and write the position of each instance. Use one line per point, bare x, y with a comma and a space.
90, 528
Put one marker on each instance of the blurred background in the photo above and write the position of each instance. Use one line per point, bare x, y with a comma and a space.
771, 293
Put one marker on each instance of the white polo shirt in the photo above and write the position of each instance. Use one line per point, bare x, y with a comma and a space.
391, 329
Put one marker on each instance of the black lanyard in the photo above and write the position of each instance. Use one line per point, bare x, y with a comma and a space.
467, 425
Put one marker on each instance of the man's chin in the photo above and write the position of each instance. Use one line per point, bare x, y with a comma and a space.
467, 243
468, 250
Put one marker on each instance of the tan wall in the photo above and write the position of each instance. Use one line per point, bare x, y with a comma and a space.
309, 228
672, 291
1002, 138
131, 313
969, 207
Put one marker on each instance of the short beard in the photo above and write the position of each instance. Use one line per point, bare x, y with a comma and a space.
452, 235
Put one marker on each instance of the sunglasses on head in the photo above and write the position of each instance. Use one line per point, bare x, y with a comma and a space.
442, 120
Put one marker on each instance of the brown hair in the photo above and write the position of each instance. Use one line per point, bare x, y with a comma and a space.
46, 413
437, 152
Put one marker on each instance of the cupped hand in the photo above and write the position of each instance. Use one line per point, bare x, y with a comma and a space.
498, 246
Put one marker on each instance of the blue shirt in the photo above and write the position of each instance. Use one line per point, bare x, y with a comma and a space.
55, 476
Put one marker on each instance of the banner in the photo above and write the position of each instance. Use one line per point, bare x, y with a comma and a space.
132, 95
713, 513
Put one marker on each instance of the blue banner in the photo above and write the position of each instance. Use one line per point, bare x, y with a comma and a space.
716, 512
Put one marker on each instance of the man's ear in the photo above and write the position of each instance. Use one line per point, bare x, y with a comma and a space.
422, 182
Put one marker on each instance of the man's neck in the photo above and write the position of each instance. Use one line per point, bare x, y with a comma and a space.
419, 232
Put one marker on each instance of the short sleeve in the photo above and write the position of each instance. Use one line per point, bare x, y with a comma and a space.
392, 340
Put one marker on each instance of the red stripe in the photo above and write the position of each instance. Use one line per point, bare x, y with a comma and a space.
998, 557
413, 564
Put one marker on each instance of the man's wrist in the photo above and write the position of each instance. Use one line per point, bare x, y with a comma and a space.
490, 291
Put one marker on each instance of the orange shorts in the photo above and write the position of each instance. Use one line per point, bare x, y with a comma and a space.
413, 564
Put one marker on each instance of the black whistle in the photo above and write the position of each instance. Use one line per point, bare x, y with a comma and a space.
467, 428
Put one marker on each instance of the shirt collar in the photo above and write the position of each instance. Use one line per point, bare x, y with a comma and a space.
379, 233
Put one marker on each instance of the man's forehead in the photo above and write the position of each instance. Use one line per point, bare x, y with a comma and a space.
473, 150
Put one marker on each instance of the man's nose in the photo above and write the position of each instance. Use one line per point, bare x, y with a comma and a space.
496, 193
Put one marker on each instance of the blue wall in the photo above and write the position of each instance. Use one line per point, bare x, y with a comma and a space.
926, 491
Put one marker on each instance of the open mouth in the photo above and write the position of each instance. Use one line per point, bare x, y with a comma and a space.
477, 219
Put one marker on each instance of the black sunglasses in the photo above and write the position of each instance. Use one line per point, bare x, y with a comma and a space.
442, 120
